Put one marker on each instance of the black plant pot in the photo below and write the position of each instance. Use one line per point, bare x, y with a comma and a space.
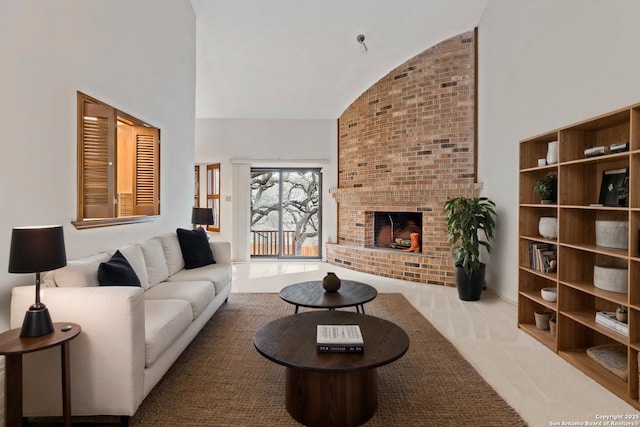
470, 287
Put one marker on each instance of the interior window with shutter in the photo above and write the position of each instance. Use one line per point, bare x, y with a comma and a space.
118, 166
196, 190
213, 194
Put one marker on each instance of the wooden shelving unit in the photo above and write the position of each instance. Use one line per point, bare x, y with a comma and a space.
579, 181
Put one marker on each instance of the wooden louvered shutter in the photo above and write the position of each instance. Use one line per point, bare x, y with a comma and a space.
196, 191
97, 152
147, 171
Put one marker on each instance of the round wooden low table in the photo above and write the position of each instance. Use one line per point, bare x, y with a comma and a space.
330, 389
13, 346
312, 295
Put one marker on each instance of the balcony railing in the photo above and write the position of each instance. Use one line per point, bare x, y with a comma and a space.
265, 243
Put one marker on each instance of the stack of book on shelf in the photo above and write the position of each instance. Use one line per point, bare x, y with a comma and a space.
608, 319
542, 257
339, 339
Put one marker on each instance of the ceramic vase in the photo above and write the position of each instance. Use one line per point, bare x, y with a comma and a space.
621, 317
552, 152
542, 319
331, 282
548, 227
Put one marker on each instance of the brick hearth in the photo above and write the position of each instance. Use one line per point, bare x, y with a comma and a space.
407, 144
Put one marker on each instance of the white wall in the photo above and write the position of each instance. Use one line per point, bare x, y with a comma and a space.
544, 64
138, 56
236, 143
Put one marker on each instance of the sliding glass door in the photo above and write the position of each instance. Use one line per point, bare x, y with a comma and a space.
285, 213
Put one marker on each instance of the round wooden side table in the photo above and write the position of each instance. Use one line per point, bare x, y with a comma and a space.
13, 346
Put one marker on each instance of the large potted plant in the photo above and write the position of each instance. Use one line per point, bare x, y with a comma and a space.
466, 219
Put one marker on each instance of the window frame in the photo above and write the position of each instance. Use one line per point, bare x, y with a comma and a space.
213, 193
196, 202
84, 223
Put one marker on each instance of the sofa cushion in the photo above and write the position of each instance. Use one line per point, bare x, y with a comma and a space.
164, 321
195, 248
155, 261
197, 293
219, 274
79, 272
133, 253
117, 272
172, 252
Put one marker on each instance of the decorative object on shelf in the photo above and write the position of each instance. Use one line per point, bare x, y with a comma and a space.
547, 187
202, 216
552, 326
614, 187
612, 357
612, 234
609, 319
542, 162
34, 250
612, 279
619, 147
466, 219
548, 227
596, 151
549, 294
552, 152
542, 318
621, 314
542, 257
331, 282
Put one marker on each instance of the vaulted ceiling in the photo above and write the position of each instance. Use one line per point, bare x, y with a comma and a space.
299, 59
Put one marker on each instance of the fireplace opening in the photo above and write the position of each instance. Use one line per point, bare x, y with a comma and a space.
394, 230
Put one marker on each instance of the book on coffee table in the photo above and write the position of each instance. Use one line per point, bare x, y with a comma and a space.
339, 339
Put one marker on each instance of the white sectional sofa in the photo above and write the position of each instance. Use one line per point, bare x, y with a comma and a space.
131, 335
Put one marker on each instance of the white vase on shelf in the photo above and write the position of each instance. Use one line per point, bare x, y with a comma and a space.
552, 152
548, 227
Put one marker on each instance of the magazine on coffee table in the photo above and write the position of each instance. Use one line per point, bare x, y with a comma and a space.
339, 339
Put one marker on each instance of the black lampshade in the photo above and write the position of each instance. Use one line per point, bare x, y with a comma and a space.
37, 249
202, 216
34, 250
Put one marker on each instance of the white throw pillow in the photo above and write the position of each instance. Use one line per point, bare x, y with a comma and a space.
155, 261
133, 254
172, 252
80, 272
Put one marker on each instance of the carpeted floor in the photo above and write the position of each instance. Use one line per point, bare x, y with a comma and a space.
221, 380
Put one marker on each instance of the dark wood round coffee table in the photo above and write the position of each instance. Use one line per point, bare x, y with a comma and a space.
312, 295
330, 389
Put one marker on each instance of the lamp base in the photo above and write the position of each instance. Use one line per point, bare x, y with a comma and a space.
37, 322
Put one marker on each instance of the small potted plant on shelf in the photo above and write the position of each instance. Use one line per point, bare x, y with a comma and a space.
621, 314
547, 187
466, 218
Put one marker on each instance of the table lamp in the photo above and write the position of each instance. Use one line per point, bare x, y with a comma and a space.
202, 216
34, 250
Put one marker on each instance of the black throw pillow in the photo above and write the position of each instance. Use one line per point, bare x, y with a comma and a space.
117, 272
195, 248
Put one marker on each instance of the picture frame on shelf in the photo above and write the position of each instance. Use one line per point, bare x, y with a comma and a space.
614, 187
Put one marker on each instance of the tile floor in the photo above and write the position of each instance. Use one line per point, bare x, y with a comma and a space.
541, 386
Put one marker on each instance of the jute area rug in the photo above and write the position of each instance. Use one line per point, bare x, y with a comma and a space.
221, 380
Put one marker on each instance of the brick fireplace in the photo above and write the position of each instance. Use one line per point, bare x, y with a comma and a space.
406, 145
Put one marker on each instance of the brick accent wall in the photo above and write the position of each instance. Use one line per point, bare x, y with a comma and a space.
407, 144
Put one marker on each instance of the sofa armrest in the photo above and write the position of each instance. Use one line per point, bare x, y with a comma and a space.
107, 358
221, 251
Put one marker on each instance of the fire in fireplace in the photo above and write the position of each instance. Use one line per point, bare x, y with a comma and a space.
395, 229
